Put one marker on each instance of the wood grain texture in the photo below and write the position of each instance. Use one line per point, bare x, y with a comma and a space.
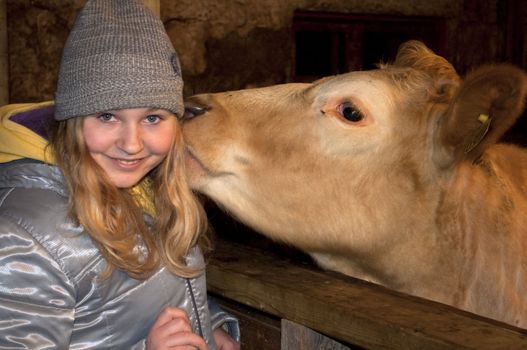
352, 311
298, 337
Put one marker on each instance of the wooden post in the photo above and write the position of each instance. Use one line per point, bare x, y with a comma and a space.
4, 59
153, 5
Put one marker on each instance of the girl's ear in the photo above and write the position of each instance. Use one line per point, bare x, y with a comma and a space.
486, 105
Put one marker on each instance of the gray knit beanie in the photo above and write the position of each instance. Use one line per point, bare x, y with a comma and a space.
117, 56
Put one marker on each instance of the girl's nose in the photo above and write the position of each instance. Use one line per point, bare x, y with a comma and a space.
130, 140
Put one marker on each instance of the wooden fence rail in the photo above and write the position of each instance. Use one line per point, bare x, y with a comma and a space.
348, 310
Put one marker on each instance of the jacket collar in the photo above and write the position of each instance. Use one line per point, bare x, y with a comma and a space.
22, 130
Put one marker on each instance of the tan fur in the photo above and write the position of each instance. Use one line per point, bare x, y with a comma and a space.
394, 198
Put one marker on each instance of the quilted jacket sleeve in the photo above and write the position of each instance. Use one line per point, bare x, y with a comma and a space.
221, 318
36, 298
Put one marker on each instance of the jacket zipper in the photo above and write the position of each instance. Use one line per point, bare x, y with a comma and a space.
195, 306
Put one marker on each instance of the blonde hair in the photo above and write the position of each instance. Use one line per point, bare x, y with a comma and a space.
114, 219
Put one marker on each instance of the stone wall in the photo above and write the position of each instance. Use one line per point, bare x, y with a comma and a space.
4, 58
232, 44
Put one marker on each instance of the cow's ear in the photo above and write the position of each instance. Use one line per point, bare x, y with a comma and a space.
415, 55
486, 105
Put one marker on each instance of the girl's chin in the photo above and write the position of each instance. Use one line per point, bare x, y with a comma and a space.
127, 181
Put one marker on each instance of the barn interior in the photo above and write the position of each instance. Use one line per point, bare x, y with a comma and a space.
236, 44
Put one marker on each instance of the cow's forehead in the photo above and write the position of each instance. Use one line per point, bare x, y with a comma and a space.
358, 83
369, 90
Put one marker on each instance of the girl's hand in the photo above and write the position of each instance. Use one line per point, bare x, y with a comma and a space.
172, 330
224, 341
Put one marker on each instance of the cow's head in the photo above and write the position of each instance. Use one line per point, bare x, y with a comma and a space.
348, 157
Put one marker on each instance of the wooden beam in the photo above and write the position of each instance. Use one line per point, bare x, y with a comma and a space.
4, 56
346, 309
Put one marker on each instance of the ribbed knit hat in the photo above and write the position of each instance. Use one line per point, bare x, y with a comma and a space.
117, 56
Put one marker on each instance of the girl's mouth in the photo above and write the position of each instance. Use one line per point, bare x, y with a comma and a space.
127, 163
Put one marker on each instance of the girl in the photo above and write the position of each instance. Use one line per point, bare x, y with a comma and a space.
99, 234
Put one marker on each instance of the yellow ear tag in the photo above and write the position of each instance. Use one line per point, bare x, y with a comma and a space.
483, 118
480, 133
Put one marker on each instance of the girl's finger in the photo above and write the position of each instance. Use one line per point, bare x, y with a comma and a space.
186, 339
169, 313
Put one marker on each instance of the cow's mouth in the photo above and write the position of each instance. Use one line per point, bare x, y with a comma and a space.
194, 165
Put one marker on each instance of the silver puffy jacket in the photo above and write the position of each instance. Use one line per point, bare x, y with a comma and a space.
50, 296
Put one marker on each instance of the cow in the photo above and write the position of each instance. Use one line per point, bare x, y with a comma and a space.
393, 175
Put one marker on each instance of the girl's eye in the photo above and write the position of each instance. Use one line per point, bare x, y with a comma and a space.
350, 112
151, 119
105, 117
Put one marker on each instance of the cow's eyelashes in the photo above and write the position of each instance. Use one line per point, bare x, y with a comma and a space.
192, 111
350, 112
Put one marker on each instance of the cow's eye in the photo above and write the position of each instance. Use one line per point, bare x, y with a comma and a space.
192, 110
350, 112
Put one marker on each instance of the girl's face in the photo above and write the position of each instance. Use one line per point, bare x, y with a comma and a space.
128, 143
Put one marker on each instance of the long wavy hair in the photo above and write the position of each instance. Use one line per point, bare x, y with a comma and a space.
113, 217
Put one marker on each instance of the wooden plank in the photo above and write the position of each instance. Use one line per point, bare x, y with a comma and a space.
298, 337
347, 309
